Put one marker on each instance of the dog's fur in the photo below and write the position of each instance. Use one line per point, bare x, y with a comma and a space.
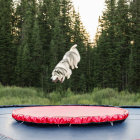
62, 69
73, 57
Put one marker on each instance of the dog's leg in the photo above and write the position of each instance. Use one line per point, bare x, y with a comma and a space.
75, 64
69, 72
68, 75
72, 64
76, 67
72, 67
62, 79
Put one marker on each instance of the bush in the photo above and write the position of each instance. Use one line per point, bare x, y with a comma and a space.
17, 95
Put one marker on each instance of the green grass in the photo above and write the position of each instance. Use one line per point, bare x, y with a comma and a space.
19, 96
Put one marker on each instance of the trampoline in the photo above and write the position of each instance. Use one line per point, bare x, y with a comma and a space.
69, 114
10, 129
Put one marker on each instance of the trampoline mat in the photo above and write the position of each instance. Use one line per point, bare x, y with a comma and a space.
69, 114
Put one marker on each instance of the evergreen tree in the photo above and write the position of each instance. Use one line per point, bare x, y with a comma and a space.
79, 37
36, 57
134, 65
23, 68
7, 49
113, 46
46, 24
56, 46
123, 42
34, 36
105, 71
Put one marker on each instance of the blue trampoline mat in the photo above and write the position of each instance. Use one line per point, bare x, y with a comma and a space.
126, 130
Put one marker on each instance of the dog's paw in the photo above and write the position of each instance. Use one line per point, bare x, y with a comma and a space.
72, 67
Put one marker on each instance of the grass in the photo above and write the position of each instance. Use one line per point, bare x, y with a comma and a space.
19, 96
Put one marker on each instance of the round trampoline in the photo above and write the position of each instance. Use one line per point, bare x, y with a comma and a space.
69, 114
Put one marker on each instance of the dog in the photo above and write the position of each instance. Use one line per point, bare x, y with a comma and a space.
62, 69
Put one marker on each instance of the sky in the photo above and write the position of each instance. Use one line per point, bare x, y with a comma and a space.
89, 10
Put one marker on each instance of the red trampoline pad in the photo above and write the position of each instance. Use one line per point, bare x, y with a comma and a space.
69, 114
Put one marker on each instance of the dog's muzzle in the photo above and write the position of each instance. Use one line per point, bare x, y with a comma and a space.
55, 81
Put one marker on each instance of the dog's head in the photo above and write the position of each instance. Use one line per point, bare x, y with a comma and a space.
57, 75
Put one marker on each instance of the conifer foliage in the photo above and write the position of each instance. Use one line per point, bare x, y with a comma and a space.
35, 34
117, 49
7, 49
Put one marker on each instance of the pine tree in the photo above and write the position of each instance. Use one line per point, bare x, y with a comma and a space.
102, 60
134, 65
79, 37
46, 24
123, 42
36, 57
113, 46
7, 49
56, 45
23, 68
105, 72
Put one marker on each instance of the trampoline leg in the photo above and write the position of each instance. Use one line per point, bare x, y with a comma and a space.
21, 123
111, 123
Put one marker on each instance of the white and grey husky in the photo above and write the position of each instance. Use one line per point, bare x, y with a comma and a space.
62, 69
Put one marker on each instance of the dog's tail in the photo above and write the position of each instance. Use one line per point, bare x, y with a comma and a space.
74, 46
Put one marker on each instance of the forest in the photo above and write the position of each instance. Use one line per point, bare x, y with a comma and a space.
35, 34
